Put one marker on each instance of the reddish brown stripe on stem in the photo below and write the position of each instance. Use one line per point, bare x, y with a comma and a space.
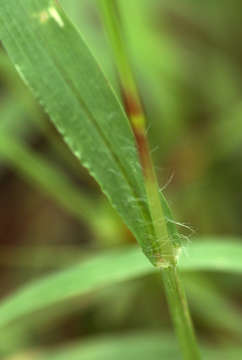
131, 105
143, 151
135, 113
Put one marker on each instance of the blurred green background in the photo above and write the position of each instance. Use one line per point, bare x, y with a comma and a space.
187, 57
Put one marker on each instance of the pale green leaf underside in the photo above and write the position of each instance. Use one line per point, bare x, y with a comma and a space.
111, 267
51, 57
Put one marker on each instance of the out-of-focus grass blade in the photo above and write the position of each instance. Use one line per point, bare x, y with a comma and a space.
134, 346
200, 291
99, 271
53, 181
129, 347
22, 257
79, 279
17, 105
215, 254
229, 139
38, 171
158, 62
53, 60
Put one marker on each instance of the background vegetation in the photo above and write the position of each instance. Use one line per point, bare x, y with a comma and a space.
187, 57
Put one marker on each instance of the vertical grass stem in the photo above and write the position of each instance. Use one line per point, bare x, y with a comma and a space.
166, 260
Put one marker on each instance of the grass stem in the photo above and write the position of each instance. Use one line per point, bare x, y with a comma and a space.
135, 113
165, 252
180, 313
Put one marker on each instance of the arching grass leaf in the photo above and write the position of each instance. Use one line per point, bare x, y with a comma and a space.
56, 64
100, 271
134, 346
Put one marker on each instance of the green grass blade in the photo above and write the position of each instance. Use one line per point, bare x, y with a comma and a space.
53, 60
201, 290
215, 254
134, 346
99, 271
41, 173
129, 347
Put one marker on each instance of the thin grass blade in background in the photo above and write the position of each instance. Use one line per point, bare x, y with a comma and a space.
133, 346
40, 172
99, 271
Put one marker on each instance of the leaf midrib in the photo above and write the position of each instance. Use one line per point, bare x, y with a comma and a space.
145, 212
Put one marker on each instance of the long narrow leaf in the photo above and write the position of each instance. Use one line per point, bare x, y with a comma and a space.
53, 60
134, 346
129, 347
99, 271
